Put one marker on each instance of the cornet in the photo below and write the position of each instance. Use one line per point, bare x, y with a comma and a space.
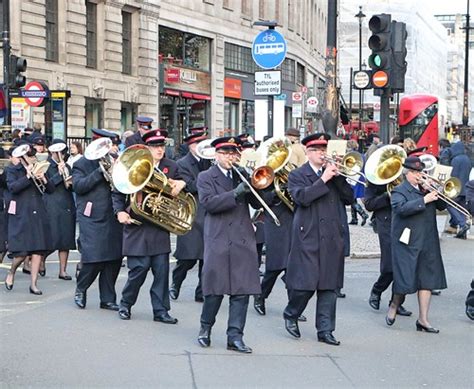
37, 168
58, 149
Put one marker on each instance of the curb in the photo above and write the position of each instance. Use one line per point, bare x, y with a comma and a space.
365, 255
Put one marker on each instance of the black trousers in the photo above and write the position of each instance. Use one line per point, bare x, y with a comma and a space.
181, 270
382, 284
238, 305
268, 281
108, 272
325, 308
138, 267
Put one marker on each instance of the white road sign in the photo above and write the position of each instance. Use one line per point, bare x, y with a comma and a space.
361, 79
312, 104
268, 83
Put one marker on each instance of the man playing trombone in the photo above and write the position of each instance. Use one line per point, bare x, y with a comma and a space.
316, 259
230, 254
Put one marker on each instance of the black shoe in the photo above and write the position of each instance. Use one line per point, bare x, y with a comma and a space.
109, 306
259, 305
199, 299
124, 313
292, 328
174, 292
80, 299
328, 338
8, 286
204, 337
364, 219
353, 222
469, 311
374, 301
302, 318
165, 318
462, 233
339, 294
403, 312
37, 292
435, 292
26, 271
239, 346
66, 277
42, 273
421, 327
389, 321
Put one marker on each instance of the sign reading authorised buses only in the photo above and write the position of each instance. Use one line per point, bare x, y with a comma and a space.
268, 83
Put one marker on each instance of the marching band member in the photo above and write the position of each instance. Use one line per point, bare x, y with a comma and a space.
100, 237
143, 126
230, 256
316, 259
61, 208
147, 246
416, 254
28, 227
190, 247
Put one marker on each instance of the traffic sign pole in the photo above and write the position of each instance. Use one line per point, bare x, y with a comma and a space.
385, 116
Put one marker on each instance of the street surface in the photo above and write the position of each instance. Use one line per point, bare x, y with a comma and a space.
47, 342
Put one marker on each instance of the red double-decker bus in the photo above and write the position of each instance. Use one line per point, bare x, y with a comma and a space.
418, 119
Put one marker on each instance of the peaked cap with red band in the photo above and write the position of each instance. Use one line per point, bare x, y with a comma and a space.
226, 142
414, 163
314, 140
195, 137
155, 137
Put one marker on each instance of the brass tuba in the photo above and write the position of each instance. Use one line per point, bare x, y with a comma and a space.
384, 166
275, 155
151, 198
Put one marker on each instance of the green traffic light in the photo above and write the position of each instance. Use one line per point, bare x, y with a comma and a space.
377, 60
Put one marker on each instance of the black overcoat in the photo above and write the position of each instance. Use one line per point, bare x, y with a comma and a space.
316, 259
3, 218
135, 139
148, 238
278, 238
377, 200
100, 234
230, 251
418, 264
191, 245
61, 210
28, 224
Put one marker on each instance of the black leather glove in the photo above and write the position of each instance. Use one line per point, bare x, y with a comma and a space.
241, 190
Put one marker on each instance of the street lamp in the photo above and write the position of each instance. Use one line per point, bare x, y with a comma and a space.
361, 17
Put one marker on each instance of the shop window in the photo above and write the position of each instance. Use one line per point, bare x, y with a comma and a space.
94, 115
128, 111
300, 76
248, 117
239, 58
126, 42
52, 30
183, 48
288, 70
91, 27
231, 117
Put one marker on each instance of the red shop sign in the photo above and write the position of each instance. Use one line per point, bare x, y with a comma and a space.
172, 75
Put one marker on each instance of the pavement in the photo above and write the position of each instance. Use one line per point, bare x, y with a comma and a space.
47, 342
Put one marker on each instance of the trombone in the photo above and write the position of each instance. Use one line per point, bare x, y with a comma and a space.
349, 166
58, 149
447, 191
39, 167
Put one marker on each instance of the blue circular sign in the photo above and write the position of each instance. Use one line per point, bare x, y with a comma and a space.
269, 49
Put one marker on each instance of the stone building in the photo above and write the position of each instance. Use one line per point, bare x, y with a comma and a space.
185, 63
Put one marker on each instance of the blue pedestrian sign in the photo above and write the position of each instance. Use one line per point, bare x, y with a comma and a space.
269, 49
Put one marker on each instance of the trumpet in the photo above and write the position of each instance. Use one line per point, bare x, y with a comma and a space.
349, 165
447, 191
58, 149
99, 150
38, 168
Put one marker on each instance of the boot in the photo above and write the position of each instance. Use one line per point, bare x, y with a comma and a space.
354, 216
364, 215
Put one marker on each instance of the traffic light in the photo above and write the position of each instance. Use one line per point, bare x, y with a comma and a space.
399, 54
17, 67
380, 44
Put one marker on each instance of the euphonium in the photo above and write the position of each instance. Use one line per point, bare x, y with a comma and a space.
151, 198
38, 167
384, 166
99, 150
58, 148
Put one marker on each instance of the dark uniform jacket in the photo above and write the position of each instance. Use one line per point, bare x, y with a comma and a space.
134, 139
230, 252
3, 218
191, 245
418, 264
316, 259
377, 201
100, 237
148, 238
28, 226
61, 210
278, 238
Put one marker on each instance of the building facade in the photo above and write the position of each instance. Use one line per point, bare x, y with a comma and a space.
186, 63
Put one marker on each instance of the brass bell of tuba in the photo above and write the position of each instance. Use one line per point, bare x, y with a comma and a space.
151, 198
275, 156
384, 166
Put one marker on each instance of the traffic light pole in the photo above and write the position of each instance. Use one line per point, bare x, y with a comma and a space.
6, 57
385, 116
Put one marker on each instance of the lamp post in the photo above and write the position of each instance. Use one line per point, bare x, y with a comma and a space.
360, 15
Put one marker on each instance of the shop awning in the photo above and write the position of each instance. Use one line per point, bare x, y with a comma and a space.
201, 97
171, 92
187, 95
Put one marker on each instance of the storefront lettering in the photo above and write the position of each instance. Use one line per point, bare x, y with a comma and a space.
188, 75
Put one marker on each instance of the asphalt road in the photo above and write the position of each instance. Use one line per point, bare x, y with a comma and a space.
47, 342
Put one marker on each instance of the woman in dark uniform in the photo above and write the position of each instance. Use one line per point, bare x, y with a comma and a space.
61, 209
28, 227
